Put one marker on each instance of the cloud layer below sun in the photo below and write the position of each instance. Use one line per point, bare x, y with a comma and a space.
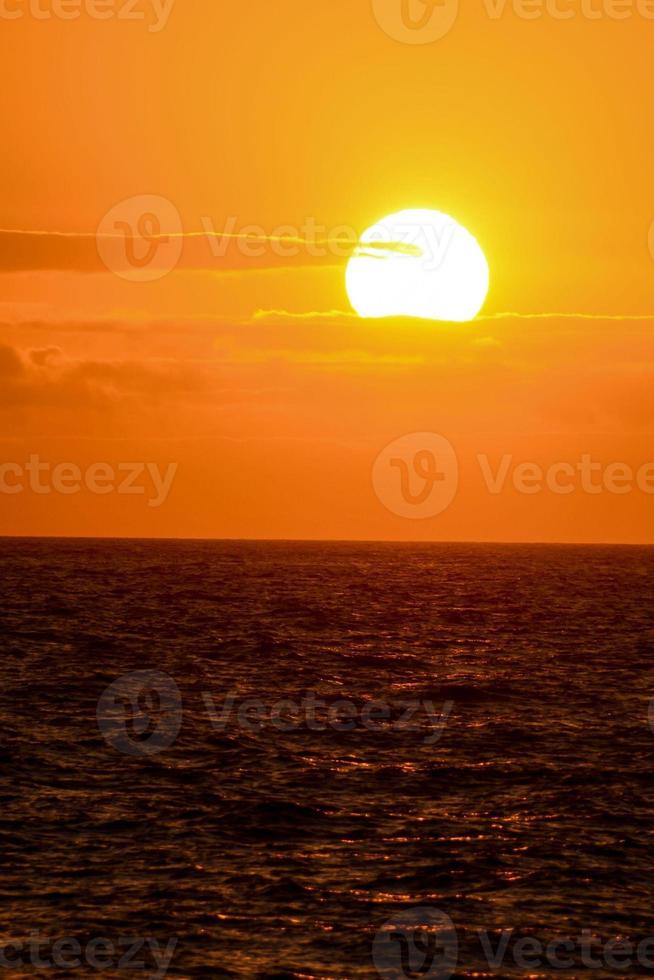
274, 419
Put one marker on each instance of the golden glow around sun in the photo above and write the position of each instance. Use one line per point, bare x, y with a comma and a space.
418, 263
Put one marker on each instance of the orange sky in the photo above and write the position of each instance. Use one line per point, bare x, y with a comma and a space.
250, 373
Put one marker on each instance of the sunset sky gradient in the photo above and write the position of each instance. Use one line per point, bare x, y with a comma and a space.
252, 373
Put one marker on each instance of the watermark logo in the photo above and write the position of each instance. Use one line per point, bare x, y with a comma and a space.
140, 713
416, 21
426, 21
141, 239
418, 942
422, 942
417, 476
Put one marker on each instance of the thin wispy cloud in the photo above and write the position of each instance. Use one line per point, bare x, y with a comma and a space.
23, 249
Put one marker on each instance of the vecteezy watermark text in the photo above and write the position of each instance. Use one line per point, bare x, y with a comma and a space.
142, 239
69, 953
427, 21
320, 714
155, 12
585, 474
569, 9
141, 713
44, 478
417, 476
423, 942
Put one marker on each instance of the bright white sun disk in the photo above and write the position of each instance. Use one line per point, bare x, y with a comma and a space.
418, 263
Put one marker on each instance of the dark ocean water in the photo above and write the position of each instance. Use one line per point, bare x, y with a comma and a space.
520, 796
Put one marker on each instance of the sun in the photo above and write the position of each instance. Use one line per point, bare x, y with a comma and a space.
418, 263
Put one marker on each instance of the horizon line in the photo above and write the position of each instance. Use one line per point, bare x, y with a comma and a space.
391, 541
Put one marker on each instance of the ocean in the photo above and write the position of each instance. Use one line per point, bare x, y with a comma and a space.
274, 760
